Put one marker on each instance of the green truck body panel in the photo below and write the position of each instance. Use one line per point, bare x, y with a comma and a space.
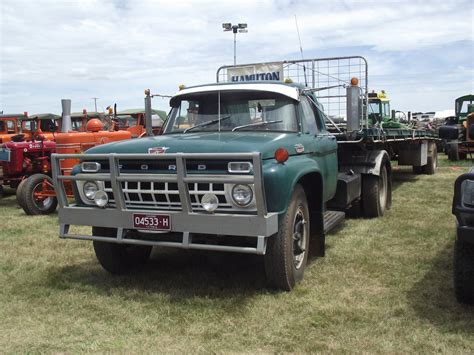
319, 156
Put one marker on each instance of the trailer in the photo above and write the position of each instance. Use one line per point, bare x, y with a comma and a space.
269, 156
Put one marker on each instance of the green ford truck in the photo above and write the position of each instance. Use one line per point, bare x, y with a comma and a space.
248, 167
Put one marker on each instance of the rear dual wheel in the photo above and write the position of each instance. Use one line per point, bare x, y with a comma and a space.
37, 195
376, 193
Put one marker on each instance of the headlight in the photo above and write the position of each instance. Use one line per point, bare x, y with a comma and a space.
242, 195
101, 199
210, 202
90, 189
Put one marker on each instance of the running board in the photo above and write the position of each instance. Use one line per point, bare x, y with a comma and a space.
332, 219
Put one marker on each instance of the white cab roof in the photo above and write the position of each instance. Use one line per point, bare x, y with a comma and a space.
286, 90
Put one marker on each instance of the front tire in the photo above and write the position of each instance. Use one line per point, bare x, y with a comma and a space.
33, 202
119, 258
453, 152
464, 271
287, 251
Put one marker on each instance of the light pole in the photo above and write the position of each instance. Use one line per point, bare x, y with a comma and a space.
95, 102
241, 28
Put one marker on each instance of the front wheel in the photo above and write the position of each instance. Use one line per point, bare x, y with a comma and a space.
119, 258
453, 152
287, 251
38, 196
464, 271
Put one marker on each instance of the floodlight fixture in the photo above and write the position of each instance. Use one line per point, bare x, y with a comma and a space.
241, 28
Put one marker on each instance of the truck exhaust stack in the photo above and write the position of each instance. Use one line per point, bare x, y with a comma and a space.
66, 125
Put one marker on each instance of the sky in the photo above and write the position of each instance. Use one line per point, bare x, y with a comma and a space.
420, 52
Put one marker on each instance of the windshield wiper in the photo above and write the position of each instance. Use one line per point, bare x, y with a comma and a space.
208, 123
256, 124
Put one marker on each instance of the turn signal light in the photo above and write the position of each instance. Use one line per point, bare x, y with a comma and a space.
281, 155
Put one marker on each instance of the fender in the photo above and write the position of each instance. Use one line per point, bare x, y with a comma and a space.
364, 162
280, 180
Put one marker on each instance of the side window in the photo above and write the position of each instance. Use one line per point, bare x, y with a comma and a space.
309, 118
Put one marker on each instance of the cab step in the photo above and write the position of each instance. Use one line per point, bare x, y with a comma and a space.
332, 219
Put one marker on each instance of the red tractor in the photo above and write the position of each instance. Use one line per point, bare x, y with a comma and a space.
35, 193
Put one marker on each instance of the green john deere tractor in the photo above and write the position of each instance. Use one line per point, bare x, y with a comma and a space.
458, 131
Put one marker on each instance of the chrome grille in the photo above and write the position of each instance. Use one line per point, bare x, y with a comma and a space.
165, 196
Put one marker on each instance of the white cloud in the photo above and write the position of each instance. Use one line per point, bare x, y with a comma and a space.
114, 49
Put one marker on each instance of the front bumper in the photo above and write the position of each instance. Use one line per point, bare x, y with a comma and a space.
258, 226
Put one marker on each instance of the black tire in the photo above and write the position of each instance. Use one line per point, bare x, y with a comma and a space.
417, 170
119, 258
430, 168
453, 152
464, 272
1, 191
287, 251
19, 196
32, 206
375, 193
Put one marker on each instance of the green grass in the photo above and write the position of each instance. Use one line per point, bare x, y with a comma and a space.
385, 285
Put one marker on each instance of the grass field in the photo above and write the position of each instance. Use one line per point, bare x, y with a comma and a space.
385, 285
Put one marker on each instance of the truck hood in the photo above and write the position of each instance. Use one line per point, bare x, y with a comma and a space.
207, 142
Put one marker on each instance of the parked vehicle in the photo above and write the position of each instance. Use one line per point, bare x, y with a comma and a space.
9, 126
133, 120
463, 209
26, 163
242, 166
459, 130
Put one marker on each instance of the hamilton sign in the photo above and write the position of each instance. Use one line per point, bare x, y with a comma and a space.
260, 72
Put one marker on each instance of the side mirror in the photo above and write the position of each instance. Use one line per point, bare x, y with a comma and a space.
471, 131
448, 132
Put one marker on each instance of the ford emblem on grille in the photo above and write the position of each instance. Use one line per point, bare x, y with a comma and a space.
158, 150
201, 167
144, 167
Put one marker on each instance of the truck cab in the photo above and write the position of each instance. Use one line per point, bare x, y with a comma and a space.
247, 161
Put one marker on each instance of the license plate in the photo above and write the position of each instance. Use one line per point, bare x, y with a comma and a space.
156, 222
4, 154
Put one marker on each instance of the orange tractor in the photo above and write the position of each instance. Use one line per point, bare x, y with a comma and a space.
9, 126
134, 121
36, 194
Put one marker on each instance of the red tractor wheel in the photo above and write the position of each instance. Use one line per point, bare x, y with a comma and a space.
38, 195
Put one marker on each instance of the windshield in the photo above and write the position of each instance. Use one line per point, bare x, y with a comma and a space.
232, 111
374, 107
126, 121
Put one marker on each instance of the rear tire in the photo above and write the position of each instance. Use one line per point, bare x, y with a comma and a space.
19, 196
34, 206
287, 251
417, 170
464, 272
119, 258
375, 193
430, 168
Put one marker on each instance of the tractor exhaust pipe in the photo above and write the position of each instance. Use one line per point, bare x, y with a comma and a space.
148, 119
66, 124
